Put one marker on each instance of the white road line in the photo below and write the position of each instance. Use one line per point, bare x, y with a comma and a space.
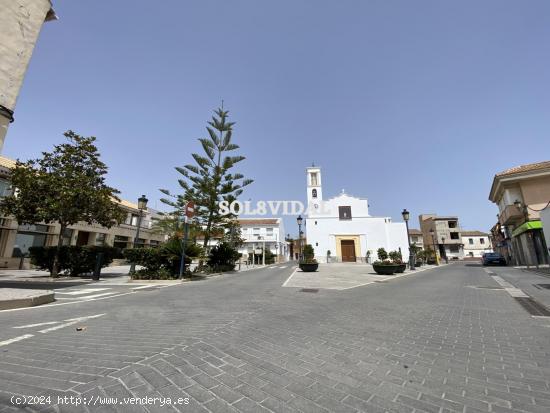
87, 297
510, 289
42, 307
15, 339
82, 291
291, 275
47, 330
145, 286
38, 324
88, 317
71, 321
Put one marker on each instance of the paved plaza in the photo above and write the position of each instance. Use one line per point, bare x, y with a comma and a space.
450, 339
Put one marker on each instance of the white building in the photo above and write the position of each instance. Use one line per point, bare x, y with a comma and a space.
343, 228
263, 232
476, 243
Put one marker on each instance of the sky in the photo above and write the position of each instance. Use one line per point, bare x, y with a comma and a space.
411, 104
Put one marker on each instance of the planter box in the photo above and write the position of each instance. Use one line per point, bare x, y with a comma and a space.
386, 269
401, 268
309, 267
418, 264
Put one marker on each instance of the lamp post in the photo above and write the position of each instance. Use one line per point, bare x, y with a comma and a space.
406, 216
299, 221
432, 233
142, 205
277, 251
444, 250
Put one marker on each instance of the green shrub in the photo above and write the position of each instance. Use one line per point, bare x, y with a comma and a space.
382, 254
308, 255
396, 257
162, 261
73, 260
223, 257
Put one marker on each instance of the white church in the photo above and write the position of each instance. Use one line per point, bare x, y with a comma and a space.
343, 226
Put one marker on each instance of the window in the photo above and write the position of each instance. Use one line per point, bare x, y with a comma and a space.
313, 178
269, 232
452, 224
5, 188
414, 238
100, 239
344, 212
256, 232
315, 222
67, 236
314, 193
454, 235
482, 240
471, 241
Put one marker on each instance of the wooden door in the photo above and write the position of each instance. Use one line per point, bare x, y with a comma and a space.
348, 250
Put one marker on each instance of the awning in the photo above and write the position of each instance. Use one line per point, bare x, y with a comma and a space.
527, 226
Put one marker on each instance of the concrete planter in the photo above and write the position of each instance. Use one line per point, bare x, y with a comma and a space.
312, 267
401, 268
388, 269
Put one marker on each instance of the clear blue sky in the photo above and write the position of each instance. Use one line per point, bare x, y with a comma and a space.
413, 104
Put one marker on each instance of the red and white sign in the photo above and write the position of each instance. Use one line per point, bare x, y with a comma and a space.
190, 209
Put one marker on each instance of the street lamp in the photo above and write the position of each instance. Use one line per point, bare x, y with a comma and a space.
299, 221
432, 233
142, 206
406, 216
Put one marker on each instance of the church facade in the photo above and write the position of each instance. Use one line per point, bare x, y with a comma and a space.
342, 228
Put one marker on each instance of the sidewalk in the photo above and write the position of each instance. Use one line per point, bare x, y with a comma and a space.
535, 284
343, 276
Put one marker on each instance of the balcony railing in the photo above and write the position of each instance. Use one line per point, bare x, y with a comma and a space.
511, 215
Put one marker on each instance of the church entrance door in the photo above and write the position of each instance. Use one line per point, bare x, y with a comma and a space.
348, 250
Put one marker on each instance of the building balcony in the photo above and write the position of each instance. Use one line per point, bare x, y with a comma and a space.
511, 215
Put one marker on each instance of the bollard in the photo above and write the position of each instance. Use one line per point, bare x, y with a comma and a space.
97, 269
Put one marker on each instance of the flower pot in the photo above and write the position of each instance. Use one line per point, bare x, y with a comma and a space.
388, 269
310, 267
401, 268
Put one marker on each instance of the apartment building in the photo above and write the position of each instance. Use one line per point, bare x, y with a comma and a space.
16, 239
20, 25
260, 233
522, 193
416, 238
442, 234
476, 243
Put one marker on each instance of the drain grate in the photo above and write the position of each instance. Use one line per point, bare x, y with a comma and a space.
309, 290
533, 307
542, 286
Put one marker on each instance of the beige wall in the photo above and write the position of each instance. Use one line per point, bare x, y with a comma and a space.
20, 24
536, 194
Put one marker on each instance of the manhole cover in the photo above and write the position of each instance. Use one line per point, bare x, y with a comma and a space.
532, 306
309, 290
541, 286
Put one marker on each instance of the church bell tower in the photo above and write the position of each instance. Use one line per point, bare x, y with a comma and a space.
314, 186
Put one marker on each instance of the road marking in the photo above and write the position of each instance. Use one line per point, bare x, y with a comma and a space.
282, 266
291, 275
147, 286
86, 297
15, 339
38, 324
57, 327
71, 321
42, 307
82, 291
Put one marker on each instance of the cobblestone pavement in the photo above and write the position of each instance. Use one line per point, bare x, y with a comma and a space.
444, 340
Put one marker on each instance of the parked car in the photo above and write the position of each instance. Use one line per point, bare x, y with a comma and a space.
493, 258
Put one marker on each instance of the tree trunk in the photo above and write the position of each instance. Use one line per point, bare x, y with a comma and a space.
55, 266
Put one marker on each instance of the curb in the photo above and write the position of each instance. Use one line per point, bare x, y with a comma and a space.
45, 298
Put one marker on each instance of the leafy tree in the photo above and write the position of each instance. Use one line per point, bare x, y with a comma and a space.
66, 186
415, 249
210, 179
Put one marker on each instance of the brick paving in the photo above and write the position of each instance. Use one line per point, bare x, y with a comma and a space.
439, 341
